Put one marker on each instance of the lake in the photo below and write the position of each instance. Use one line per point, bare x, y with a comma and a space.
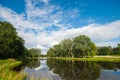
51, 69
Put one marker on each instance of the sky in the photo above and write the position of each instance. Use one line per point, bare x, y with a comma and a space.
44, 23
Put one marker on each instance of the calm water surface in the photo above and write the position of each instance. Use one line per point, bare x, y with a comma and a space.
43, 69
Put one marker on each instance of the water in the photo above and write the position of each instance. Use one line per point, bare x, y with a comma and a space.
72, 70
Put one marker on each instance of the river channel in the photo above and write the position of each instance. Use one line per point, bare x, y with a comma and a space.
51, 69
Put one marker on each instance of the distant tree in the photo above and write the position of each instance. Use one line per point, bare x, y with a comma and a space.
116, 50
11, 45
34, 52
105, 50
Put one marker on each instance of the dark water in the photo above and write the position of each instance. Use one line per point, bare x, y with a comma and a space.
72, 70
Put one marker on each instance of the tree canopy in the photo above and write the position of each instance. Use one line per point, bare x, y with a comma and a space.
80, 46
105, 50
11, 45
34, 52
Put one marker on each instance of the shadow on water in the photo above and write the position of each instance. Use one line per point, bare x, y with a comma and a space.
72, 70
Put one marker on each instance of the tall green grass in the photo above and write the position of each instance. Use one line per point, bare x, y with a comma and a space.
6, 72
96, 59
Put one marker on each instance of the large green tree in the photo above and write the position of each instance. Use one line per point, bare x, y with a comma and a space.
83, 46
11, 45
80, 46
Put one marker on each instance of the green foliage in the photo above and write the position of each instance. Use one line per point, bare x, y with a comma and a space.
105, 50
95, 59
61, 50
116, 50
6, 72
80, 46
11, 45
83, 46
34, 52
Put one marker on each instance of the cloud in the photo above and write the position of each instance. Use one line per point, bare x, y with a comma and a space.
46, 1
98, 33
37, 25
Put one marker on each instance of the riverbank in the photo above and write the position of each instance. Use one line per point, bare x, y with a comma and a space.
6, 72
95, 58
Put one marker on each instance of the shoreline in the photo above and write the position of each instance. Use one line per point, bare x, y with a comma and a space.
94, 58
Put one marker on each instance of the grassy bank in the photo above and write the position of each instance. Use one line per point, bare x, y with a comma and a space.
6, 72
97, 59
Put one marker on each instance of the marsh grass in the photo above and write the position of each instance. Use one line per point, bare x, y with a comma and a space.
6, 72
96, 59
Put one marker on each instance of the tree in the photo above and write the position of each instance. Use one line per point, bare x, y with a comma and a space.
67, 47
50, 52
34, 52
116, 50
11, 45
83, 46
105, 50
80, 46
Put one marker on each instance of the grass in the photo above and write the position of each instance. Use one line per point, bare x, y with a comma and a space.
96, 59
6, 72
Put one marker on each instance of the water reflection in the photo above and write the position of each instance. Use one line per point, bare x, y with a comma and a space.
72, 70
41, 72
33, 63
77, 70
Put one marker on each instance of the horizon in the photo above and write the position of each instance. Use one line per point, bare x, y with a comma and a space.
44, 23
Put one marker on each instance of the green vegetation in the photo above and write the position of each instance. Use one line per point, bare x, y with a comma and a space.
12, 48
34, 52
96, 59
116, 50
80, 46
108, 50
105, 50
11, 45
6, 72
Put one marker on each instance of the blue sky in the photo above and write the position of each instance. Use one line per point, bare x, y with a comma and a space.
44, 23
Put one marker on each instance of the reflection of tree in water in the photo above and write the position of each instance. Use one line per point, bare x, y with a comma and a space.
110, 65
33, 63
75, 70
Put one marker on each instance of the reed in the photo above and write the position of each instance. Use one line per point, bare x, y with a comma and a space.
6, 72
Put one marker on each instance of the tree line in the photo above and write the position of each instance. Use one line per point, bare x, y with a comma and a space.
108, 50
12, 46
80, 46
